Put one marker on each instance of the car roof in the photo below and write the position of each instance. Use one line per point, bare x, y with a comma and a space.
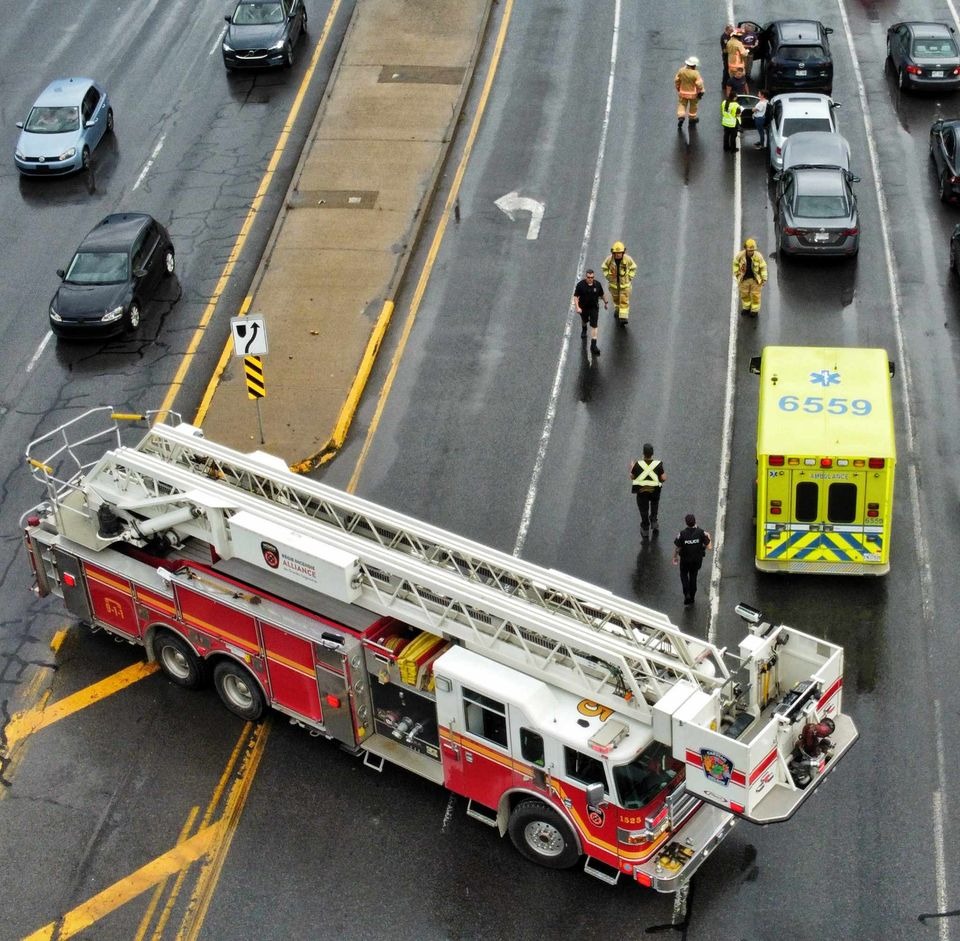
116, 232
923, 30
805, 103
64, 92
797, 32
820, 181
820, 147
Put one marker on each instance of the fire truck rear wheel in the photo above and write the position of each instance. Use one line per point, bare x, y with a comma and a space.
239, 691
180, 664
543, 836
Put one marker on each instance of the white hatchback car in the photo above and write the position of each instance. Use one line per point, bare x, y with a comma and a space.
793, 113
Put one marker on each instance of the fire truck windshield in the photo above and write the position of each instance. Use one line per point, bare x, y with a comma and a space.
651, 772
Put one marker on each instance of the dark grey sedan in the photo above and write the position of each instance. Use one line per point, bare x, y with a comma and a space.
262, 33
945, 154
112, 276
924, 55
816, 209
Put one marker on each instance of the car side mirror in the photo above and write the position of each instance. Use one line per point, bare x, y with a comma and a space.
227, 18
139, 272
61, 273
852, 178
777, 176
90, 123
835, 104
828, 29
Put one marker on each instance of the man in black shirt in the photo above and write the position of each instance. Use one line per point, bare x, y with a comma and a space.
690, 547
586, 301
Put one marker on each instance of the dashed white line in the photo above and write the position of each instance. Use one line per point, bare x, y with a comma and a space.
551, 413
218, 43
36, 356
149, 163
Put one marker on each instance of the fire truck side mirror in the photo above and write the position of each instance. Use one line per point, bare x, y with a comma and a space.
595, 794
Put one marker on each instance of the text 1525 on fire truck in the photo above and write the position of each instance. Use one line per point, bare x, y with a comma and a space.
826, 456
583, 725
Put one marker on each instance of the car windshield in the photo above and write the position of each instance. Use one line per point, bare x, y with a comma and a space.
796, 125
822, 207
801, 53
52, 120
98, 268
651, 772
934, 48
258, 14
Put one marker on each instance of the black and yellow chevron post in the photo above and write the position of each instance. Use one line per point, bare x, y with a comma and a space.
256, 385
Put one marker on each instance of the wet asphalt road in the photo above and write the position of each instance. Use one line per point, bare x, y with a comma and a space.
325, 847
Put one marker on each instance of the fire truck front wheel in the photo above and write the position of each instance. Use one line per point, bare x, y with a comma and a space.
177, 660
239, 691
543, 836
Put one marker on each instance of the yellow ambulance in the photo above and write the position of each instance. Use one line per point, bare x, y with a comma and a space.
826, 457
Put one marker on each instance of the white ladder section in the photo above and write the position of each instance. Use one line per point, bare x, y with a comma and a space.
543, 622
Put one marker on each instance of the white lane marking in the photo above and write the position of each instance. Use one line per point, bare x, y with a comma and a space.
149, 163
953, 13
726, 438
903, 364
512, 203
551, 413
939, 842
218, 42
44, 343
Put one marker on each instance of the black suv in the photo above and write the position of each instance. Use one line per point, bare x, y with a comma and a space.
796, 57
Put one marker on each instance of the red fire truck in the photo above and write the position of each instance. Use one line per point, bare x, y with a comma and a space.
585, 726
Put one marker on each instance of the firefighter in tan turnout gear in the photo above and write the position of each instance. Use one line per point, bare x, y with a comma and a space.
689, 90
750, 270
619, 269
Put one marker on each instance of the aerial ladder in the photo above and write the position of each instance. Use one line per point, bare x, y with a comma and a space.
736, 721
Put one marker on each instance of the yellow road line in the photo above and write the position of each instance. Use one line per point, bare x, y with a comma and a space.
128, 888
434, 246
56, 642
40, 716
234, 256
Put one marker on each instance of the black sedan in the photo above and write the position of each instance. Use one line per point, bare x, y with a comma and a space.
924, 55
262, 33
944, 152
113, 274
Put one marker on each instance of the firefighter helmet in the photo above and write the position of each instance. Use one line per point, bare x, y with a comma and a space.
693, 62
618, 247
750, 243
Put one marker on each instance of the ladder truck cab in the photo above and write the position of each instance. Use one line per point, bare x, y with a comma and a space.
585, 726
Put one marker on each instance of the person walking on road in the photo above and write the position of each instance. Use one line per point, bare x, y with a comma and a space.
690, 90
619, 269
689, 548
586, 301
730, 119
647, 477
760, 119
750, 270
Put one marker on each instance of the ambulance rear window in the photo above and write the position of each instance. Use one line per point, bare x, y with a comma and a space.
842, 503
808, 497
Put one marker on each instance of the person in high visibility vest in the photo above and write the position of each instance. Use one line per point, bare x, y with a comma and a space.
619, 269
750, 270
647, 478
689, 90
730, 119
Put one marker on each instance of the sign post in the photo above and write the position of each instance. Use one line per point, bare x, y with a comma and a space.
250, 342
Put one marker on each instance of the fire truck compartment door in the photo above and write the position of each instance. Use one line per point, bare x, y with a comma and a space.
74, 586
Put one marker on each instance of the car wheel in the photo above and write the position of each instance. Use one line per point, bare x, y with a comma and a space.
303, 23
169, 262
944, 192
110, 120
901, 79
132, 320
85, 159
288, 56
953, 256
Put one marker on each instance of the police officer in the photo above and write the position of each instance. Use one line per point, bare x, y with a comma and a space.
647, 477
689, 548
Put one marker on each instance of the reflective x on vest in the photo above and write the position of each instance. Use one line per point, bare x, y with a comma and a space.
647, 476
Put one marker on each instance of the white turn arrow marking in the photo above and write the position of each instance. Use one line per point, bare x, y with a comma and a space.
513, 203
